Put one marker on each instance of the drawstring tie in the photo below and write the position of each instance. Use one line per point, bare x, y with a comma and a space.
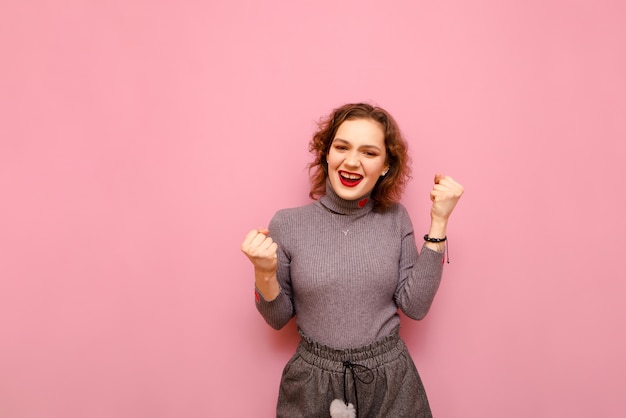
359, 372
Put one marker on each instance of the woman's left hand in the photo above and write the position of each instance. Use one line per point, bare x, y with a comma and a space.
445, 195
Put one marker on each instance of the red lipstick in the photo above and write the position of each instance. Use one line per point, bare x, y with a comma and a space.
348, 182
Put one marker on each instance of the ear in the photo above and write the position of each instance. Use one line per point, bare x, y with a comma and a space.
385, 172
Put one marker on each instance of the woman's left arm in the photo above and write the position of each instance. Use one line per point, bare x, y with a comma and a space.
420, 275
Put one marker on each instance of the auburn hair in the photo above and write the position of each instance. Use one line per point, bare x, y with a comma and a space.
389, 188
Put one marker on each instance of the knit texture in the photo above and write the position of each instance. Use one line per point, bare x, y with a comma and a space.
344, 270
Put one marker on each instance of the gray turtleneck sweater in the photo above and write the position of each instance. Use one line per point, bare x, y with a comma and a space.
344, 270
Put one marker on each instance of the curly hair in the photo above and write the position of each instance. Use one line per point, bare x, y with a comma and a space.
388, 190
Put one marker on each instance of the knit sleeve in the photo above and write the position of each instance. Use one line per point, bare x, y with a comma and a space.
279, 311
420, 274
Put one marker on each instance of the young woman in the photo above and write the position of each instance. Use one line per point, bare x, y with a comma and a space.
344, 264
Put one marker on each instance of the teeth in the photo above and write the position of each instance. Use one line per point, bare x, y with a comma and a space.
350, 176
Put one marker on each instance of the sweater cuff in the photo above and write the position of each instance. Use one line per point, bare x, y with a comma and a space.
276, 312
260, 299
431, 254
425, 248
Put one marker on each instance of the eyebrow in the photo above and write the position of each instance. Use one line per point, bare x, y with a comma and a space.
363, 146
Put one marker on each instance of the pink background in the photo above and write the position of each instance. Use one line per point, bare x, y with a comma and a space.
141, 140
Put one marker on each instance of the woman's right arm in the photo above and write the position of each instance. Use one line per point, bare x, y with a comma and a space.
273, 300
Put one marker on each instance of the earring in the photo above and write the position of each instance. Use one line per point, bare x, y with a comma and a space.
385, 172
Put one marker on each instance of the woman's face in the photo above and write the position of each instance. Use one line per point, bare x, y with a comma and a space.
357, 158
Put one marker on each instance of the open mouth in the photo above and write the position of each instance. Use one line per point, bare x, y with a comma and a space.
349, 179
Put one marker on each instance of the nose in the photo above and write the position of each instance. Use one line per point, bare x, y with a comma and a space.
352, 159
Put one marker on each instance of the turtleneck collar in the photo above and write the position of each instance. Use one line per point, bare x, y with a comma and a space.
336, 204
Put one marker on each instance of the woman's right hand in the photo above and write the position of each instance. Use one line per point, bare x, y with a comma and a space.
261, 250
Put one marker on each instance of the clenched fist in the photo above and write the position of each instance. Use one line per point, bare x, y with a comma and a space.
445, 195
261, 250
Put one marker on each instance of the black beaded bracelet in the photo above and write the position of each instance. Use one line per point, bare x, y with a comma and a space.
429, 239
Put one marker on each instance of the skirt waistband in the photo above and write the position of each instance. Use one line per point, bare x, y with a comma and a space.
333, 359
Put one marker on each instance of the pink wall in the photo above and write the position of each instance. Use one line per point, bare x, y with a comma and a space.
140, 141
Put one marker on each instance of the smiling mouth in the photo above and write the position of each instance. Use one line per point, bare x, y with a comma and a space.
349, 179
